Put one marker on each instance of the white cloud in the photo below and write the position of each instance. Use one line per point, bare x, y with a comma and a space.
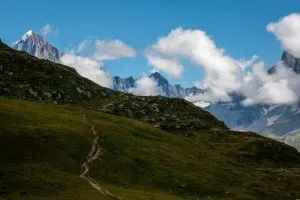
88, 68
48, 29
278, 88
211, 95
223, 74
273, 93
287, 31
145, 86
101, 50
112, 50
244, 64
83, 45
169, 66
96, 52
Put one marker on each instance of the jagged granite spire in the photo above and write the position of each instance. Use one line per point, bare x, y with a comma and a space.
164, 87
123, 84
291, 61
35, 45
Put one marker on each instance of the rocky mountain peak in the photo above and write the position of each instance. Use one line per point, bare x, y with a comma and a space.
291, 61
29, 34
123, 84
159, 78
35, 45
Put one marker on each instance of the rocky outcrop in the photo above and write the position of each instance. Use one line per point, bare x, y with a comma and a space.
291, 61
162, 112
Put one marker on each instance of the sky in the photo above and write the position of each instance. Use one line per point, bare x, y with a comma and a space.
237, 27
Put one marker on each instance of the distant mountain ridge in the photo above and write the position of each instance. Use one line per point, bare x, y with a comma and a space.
165, 88
264, 119
289, 61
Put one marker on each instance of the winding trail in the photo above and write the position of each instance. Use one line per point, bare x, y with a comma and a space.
94, 154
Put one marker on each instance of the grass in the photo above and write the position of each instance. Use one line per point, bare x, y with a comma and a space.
43, 145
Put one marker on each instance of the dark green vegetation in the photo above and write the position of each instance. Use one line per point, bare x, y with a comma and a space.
42, 145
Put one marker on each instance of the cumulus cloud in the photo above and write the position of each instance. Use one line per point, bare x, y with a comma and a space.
101, 50
85, 44
112, 50
223, 74
145, 86
167, 65
244, 63
278, 88
95, 53
273, 93
87, 68
259, 87
48, 29
287, 31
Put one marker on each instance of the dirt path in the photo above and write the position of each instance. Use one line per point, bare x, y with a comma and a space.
94, 154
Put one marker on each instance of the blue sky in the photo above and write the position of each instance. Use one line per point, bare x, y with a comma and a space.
238, 26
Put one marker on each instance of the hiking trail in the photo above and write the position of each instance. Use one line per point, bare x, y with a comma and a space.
94, 154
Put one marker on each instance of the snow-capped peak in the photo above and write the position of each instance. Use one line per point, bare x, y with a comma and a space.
27, 34
35, 45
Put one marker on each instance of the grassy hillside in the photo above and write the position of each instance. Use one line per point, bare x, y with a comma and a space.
42, 147
178, 152
26, 77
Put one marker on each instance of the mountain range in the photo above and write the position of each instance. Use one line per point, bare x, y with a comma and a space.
267, 120
35, 45
63, 136
264, 119
165, 88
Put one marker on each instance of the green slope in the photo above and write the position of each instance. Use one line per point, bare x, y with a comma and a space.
42, 147
179, 151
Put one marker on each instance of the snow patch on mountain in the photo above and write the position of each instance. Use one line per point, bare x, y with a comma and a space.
201, 104
27, 35
270, 108
271, 120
